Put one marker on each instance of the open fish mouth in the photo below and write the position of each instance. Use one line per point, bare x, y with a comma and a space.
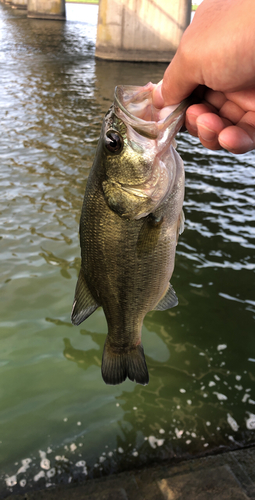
134, 106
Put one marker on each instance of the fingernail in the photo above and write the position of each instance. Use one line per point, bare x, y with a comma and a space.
157, 97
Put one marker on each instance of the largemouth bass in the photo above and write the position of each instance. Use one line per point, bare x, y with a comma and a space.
130, 222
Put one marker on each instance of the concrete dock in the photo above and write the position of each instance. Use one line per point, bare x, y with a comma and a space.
226, 476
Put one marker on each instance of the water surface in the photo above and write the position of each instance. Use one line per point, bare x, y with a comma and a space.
59, 422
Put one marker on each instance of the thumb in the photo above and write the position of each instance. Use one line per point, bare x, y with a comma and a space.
157, 97
177, 83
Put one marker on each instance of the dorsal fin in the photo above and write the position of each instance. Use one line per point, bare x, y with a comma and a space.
84, 304
168, 300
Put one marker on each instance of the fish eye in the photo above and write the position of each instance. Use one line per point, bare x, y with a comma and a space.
113, 142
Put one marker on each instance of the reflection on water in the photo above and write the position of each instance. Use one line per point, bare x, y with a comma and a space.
59, 422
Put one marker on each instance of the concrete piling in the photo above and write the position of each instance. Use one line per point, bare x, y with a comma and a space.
46, 9
19, 4
141, 30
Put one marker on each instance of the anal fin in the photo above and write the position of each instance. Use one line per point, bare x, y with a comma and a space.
168, 300
84, 304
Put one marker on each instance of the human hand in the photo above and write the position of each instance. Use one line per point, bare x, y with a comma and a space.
224, 120
216, 57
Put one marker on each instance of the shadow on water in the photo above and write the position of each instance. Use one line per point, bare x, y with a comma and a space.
59, 421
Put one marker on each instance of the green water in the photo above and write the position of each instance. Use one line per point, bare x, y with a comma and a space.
59, 422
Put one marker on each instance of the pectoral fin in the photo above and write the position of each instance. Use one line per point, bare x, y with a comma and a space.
84, 304
168, 300
181, 224
149, 235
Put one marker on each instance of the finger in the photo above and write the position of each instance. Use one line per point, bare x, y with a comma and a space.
244, 98
236, 140
215, 98
209, 126
192, 114
240, 138
157, 97
180, 89
232, 112
179, 80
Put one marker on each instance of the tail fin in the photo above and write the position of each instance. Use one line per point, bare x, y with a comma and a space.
117, 367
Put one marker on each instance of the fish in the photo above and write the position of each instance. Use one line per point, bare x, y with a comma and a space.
130, 222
